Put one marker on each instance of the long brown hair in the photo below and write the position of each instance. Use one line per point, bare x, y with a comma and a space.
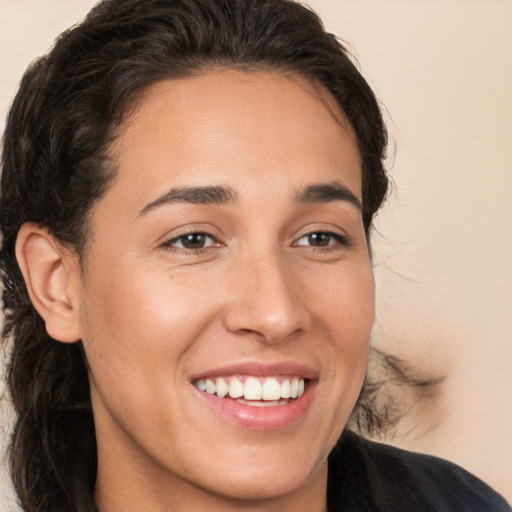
55, 168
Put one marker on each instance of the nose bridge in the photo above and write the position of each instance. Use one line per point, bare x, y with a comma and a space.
265, 301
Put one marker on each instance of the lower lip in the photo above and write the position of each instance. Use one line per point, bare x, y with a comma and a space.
261, 418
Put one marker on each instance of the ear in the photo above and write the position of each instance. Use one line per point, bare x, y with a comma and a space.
52, 277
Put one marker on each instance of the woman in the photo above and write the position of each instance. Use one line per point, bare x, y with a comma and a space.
188, 189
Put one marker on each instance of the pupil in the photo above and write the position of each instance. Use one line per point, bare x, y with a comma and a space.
319, 239
194, 241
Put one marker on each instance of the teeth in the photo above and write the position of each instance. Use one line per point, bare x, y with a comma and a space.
294, 388
271, 390
301, 387
253, 389
236, 389
222, 388
285, 389
210, 387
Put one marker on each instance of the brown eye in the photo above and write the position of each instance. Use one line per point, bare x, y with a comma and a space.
321, 239
191, 241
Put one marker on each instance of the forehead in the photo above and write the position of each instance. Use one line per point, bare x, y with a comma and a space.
236, 127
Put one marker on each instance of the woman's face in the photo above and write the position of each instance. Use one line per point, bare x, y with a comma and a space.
230, 254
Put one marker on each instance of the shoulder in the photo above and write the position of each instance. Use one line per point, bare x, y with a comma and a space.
368, 476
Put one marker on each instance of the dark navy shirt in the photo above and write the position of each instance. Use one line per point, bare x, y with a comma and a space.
365, 476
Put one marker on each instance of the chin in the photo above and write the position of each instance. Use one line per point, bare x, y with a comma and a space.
264, 483
267, 473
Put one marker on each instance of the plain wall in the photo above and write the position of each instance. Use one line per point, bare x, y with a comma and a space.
443, 71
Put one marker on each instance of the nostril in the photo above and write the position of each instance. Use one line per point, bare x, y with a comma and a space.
265, 306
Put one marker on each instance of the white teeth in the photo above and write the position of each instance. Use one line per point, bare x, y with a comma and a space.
210, 387
294, 388
222, 388
271, 390
236, 388
263, 403
301, 387
253, 389
285, 389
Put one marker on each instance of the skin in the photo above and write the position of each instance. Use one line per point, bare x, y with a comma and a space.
153, 314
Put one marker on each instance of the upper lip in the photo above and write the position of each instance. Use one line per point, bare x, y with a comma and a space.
260, 370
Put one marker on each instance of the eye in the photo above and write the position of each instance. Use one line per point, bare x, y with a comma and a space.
191, 241
321, 239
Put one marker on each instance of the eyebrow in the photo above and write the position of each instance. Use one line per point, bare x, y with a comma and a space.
211, 194
326, 192
218, 194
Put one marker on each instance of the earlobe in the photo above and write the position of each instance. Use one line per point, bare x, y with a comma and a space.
52, 278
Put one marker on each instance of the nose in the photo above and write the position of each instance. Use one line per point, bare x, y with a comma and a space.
266, 302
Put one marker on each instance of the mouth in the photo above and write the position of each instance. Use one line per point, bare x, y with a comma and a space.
258, 397
255, 391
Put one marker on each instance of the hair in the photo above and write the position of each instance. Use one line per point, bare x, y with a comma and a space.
56, 166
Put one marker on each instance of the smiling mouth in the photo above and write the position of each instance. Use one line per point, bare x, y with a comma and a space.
255, 391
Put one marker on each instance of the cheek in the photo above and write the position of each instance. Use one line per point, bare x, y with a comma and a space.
138, 338
141, 323
344, 308
346, 300
348, 315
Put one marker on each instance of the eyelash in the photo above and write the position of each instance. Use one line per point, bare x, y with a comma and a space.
170, 244
340, 240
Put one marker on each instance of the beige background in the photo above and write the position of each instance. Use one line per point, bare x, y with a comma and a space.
443, 71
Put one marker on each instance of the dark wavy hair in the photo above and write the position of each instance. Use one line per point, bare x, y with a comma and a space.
55, 167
